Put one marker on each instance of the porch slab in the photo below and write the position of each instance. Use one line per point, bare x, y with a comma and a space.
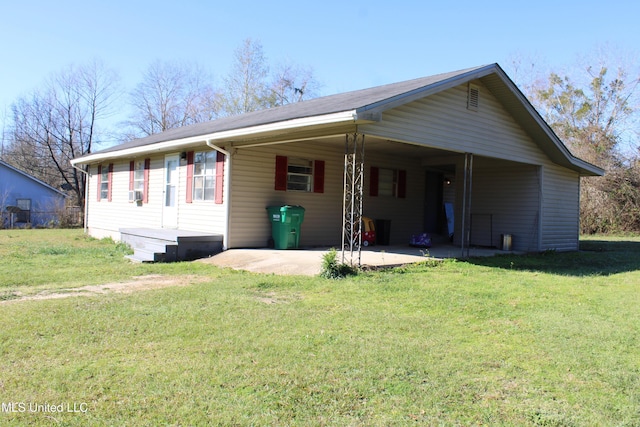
169, 245
171, 235
308, 261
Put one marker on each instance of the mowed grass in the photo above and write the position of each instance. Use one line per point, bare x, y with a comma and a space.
549, 340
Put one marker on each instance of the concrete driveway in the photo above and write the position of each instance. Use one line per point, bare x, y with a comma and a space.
308, 261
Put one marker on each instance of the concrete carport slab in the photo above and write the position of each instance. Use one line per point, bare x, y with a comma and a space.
308, 262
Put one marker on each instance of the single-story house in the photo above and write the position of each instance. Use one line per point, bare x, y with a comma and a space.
27, 201
462, 155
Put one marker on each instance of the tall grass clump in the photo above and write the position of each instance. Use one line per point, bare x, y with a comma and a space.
332, 269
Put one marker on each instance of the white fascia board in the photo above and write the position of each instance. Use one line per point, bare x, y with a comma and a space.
333, 118
588, 167
134, 151
548, 131
177, 144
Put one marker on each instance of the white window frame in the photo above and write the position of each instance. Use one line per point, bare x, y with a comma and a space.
138, 176
300, 175
204, 176
104, 182
387, 182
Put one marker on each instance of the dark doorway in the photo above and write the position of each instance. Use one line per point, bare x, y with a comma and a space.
433, 208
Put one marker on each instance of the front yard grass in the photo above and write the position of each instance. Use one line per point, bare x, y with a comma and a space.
547, 340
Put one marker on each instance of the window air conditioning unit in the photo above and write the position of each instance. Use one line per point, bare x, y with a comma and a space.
135, 196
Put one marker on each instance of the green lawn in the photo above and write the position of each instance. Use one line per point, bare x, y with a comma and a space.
548, 340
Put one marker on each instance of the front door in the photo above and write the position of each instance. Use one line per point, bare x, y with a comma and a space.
170, 208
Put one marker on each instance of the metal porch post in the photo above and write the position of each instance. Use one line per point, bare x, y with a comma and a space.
352, 199
466, 204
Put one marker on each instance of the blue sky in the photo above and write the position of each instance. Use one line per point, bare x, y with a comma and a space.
349, 44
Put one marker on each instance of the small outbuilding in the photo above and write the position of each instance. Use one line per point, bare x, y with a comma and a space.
462, 156
25, 201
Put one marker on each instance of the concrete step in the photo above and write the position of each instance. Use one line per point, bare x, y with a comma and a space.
144, 255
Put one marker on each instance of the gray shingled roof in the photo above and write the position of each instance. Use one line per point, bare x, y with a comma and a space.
357, 100
376, 100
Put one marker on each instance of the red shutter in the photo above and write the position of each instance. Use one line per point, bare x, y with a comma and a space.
132, 168
189, 197
99, 181
219, 178
402, 184
318, 176
110, 182
145, 188
281, 173
373, 181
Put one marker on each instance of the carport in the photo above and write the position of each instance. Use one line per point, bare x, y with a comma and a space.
504, 202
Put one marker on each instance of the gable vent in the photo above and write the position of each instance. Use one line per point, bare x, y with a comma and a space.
473, 97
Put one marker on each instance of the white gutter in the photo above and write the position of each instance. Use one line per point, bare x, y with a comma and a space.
344, 116
135, 151
227, 192
177, 144
287, 141
86, 195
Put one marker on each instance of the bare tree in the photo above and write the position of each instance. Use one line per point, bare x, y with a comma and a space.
246, 85
59, 122
292, 83
250, 87
4, 203
171, 95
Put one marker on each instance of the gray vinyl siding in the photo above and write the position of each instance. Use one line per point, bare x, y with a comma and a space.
106, 218
560, 209
505, 200
406, 214
200, 215
253, 190
443, 121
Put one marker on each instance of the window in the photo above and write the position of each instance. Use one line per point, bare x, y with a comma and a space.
299, 175
138, 176
388, 182
105, 174
139, 180
25, 210
296, 174
205, 176
104, 183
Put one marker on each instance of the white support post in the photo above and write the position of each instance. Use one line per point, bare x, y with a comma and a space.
352, 199
466, 204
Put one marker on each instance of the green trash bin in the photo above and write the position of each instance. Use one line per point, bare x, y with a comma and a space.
285, 225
